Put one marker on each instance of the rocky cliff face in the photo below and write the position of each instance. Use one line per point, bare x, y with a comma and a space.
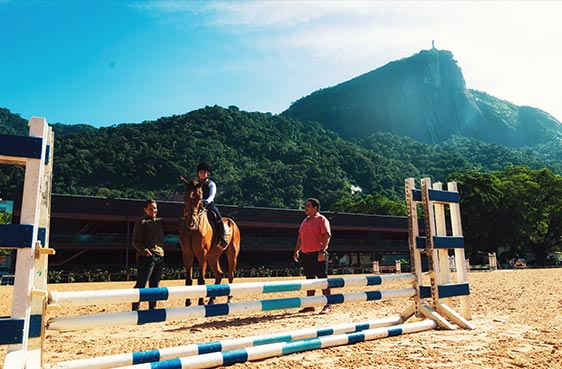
423, 97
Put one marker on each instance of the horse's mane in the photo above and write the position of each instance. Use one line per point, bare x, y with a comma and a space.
190, 184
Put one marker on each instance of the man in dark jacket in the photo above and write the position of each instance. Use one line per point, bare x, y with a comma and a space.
148, 240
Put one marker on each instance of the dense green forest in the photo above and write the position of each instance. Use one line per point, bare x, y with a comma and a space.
265, 160
260, 159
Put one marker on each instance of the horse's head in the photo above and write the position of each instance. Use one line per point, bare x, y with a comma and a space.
193, 203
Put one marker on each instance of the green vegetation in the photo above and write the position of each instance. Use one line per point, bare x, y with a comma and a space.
517, 208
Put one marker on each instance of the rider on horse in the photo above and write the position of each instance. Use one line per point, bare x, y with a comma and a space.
209, 191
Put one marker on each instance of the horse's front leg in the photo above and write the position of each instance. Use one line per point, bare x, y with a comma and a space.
201, 277
188, 264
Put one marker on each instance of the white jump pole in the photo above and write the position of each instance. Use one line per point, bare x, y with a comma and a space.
227, 358
113, 361
79, 322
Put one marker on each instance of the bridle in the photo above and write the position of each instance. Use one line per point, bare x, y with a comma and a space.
193, 211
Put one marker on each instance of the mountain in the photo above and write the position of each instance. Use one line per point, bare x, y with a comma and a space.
14, 124
423, 97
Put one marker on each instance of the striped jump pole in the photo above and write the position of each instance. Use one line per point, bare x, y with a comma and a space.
243, 355
78, 322
130, 295
113, 361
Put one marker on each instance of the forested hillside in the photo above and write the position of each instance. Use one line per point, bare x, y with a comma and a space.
259, 159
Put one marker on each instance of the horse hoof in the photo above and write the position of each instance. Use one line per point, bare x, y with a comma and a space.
187, 303
211, 301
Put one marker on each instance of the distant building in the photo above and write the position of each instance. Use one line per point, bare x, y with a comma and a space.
93, 232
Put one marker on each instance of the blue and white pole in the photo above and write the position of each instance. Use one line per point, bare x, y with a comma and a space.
227, 358
79, 322
99, 297
113, 361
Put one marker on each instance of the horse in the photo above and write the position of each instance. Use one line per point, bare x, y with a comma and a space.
197, 240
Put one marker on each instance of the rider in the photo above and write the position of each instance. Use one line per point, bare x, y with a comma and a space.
209, 191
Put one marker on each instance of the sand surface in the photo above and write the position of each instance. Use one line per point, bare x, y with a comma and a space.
518, 315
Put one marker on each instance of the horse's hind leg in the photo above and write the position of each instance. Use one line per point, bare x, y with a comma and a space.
232, 254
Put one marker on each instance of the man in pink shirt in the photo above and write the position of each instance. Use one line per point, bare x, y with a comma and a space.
312, 244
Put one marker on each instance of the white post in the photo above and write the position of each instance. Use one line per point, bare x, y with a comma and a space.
376, 269
492, 261
25, 264
441, 230
413, 233
460, 258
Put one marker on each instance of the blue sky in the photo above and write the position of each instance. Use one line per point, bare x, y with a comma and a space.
110, 62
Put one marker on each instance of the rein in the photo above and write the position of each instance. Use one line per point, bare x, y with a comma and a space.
192, 219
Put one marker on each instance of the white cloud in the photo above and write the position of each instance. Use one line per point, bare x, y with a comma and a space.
507, 48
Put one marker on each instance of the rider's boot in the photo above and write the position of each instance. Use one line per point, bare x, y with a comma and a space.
223, 233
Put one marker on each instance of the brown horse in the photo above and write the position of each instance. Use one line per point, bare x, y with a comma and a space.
197, 241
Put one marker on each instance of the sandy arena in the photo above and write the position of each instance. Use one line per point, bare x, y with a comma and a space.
518, 314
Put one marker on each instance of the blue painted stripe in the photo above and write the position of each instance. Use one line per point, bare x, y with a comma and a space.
216, 290
355, 337
151, 316
361, 327
47, 154
442, 242
296, 286
234, 357
446, 290
373, 295
216, 310
153, 294
145, 357
450, 197
272, 339
42, 235
205, 348
324, 332
373, 280
425, 292
451, 290
336, 282
335, 298
11, 331
16, 235
21, 146
394, 331
286, 303
35, 325
302, 345
168, 364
